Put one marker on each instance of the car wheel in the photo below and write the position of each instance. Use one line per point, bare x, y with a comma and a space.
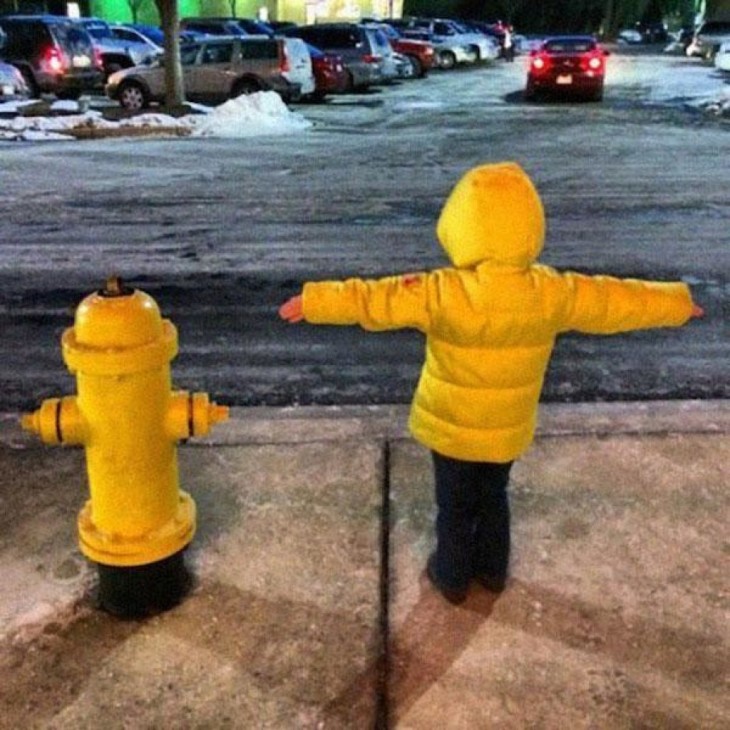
132, 96
530, 93
417, 66
350, 83
245, 86
30, 83
447, 59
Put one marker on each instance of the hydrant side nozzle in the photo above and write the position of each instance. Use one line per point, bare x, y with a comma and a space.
57, 421
206, 414
192, 414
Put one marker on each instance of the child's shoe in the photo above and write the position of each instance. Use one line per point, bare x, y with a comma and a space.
452, 596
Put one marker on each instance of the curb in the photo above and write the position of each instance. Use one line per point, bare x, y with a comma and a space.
311, 424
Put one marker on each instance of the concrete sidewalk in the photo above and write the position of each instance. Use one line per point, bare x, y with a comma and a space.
310, 609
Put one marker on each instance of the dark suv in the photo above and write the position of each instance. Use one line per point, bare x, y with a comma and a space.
364, 51
54, 54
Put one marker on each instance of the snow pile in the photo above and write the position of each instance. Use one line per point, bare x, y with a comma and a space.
719, 107
263, 113
248, 116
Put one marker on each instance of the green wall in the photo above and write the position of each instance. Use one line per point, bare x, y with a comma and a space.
121, 11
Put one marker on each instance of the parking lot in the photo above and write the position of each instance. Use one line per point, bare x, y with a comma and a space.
220, 231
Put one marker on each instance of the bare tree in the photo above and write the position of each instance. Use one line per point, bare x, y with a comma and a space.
170, 18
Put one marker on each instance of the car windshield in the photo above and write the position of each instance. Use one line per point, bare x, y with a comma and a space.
569, 46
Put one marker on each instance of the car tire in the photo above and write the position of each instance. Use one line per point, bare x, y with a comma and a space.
447, 60
133, 96
30, 83
530, 93
597, 95
244, 87
418, 70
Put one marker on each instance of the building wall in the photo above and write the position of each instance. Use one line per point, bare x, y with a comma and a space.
298, 11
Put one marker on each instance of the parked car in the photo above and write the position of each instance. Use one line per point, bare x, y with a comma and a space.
421, 54
449, 51
722, 57
54, 54
149, 36
12, 83
709, 37
574, 65
330, 75
359, 47
478, 46
116, 53
214, 70
213, 26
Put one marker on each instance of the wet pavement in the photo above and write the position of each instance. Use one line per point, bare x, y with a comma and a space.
310, 608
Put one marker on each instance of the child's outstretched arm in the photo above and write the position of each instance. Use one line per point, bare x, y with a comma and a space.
605, 305
375, 304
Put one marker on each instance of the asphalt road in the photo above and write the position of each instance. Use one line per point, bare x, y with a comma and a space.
221, 231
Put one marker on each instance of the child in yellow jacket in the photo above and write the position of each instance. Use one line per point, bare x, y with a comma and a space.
491, 322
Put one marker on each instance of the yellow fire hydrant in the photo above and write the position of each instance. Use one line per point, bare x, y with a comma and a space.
137, 521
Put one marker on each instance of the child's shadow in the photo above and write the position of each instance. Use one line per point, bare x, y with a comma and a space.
431, 637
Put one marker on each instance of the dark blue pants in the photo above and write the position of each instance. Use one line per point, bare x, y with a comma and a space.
473, 520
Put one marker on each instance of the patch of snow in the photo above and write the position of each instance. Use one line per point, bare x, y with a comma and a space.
263, 113
248, 116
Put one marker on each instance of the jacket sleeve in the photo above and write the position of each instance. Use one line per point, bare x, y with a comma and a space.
375, 304
606, 305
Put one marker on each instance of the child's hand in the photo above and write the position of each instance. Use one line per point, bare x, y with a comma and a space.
697, 311
292, 310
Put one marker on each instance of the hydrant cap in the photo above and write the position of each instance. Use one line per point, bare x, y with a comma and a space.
117, 317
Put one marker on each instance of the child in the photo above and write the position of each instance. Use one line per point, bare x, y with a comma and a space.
490, 322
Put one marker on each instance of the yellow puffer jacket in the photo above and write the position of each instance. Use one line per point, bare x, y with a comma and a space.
491, 321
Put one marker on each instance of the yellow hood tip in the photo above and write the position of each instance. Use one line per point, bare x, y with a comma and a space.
494, 213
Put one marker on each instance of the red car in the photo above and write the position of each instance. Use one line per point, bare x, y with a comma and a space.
330, 75
570, 65
421, 54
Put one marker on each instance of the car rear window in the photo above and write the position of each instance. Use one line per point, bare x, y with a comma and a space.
259, 48
570, 46
72, 37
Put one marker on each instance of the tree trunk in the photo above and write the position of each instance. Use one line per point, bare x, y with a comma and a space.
170, 20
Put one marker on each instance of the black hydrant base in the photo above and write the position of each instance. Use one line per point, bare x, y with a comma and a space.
143, 590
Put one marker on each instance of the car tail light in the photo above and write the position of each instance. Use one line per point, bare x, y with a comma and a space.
540, 62
97, 59
53, 60
370, 58
592, 62
284, 64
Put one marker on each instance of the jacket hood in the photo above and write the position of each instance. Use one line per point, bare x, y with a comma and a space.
494, 214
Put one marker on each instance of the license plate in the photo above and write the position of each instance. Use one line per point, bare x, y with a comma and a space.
81, 61
566, 79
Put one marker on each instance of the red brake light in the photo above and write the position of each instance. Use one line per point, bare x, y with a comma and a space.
54, 60
98, 60
372, 59
540, 62
592, 62
284, 64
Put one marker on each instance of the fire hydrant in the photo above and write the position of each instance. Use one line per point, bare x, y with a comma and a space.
137, 521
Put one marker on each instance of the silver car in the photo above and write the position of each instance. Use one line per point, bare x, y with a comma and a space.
12, 84
214, 70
